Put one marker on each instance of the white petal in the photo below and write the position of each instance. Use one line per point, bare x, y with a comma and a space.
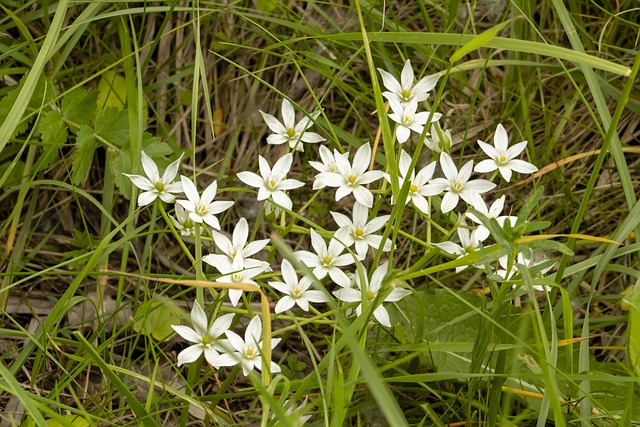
382, 316
190, 190
189, 354
150, 168
251, 179
501, 139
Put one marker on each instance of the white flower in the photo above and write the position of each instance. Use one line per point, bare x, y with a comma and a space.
351, 178
205, 339
328, 164
202, 209
236, 273
359, 231
493, 212
434, 142
272, 184
326, 260
237, 248
154, 186
408, 120
369, 290
457, 185
296, 292
529, 263
418, 188
248, 351
404, 91
469, 243
295, 416
182, 221
503, 158
288, 130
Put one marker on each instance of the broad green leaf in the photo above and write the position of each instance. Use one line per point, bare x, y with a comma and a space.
5, 106
155, 147
266, 5
155, 317
82, 157
64, 421
79, 106
440, 317
120, 165
53, 133
633, 346
13, 174
112, 91
112, 125
477, 42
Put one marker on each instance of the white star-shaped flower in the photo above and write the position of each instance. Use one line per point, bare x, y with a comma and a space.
493, 212
469, 243
503, 157
203, 208
404, 90
248, 351
237, 248
155, 186
328, 164
182, 221
370, 289
418, 188
352, 178
326, 260
529, 263
205, 340
288, 130
360, 230
273, 183
236, 272
408, 120
296, 291
435, 143
457, 185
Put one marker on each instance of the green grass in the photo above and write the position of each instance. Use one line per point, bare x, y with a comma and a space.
85, 87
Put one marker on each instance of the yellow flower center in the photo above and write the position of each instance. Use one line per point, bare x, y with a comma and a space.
456, 187
296, 293
250, 352
352, 179
470, 249
326, 261
206, 341
271, 185
236, 277
359, 232
413, 188
201, 210
502, 160
406, 94
370, 295
291, 132
159, 186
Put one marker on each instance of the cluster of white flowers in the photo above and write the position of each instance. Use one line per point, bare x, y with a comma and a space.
355, 238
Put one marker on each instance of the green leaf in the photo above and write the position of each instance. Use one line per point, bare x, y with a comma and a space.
112, 91
13, 174
155, 147
53, 135
120, 165
155, 318
552, 245
439, 317
82, 157
79, 106
477, 42
63, 421
112, 125
633, 331
5, 107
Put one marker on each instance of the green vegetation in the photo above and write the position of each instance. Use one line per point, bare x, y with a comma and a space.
538, 324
